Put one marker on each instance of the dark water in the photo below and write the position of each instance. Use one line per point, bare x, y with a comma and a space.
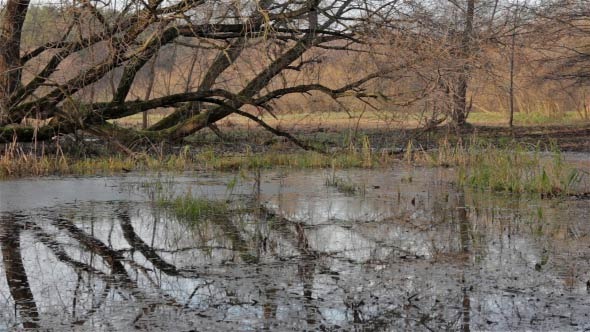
407, 251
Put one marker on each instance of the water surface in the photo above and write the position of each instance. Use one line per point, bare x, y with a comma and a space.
407, 251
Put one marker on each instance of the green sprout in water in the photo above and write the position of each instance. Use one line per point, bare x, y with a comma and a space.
193, 209
345, 186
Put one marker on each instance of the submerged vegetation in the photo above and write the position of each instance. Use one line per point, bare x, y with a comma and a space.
202, 213
186, 206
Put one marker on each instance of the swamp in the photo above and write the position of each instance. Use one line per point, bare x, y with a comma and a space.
397, 248
294, 165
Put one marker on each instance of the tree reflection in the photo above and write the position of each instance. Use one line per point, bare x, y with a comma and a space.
465, 244
255, 267
126, 270
16, 276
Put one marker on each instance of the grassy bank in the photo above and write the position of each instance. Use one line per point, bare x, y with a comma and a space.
496, 159
15, 162
514, 167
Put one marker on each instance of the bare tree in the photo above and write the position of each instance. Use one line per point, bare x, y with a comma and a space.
461, 35
567, 51
125, 38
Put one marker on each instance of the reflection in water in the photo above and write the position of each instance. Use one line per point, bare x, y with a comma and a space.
296, 255
464, 239
16, 275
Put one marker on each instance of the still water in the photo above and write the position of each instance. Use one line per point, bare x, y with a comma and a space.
407, 250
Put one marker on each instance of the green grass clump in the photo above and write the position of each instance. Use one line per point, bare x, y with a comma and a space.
345, 186
514, 168
201, 213
194, 210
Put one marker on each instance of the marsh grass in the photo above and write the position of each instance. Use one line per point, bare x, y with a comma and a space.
15, 162
514, 168
350, 157
200, 214
345, 186
193, 210
186, 207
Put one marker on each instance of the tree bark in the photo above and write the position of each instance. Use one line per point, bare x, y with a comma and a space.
10, 65
460, 111
512, 51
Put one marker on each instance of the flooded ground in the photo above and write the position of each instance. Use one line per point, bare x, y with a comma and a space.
404, 250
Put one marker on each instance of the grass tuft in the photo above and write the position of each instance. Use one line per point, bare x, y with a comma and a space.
194, 210
514, 168
345, 186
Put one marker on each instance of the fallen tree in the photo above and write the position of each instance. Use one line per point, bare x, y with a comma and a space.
117, 44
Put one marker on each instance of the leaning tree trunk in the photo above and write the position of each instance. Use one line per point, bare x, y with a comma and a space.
10, 66
275, 24
460, 111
